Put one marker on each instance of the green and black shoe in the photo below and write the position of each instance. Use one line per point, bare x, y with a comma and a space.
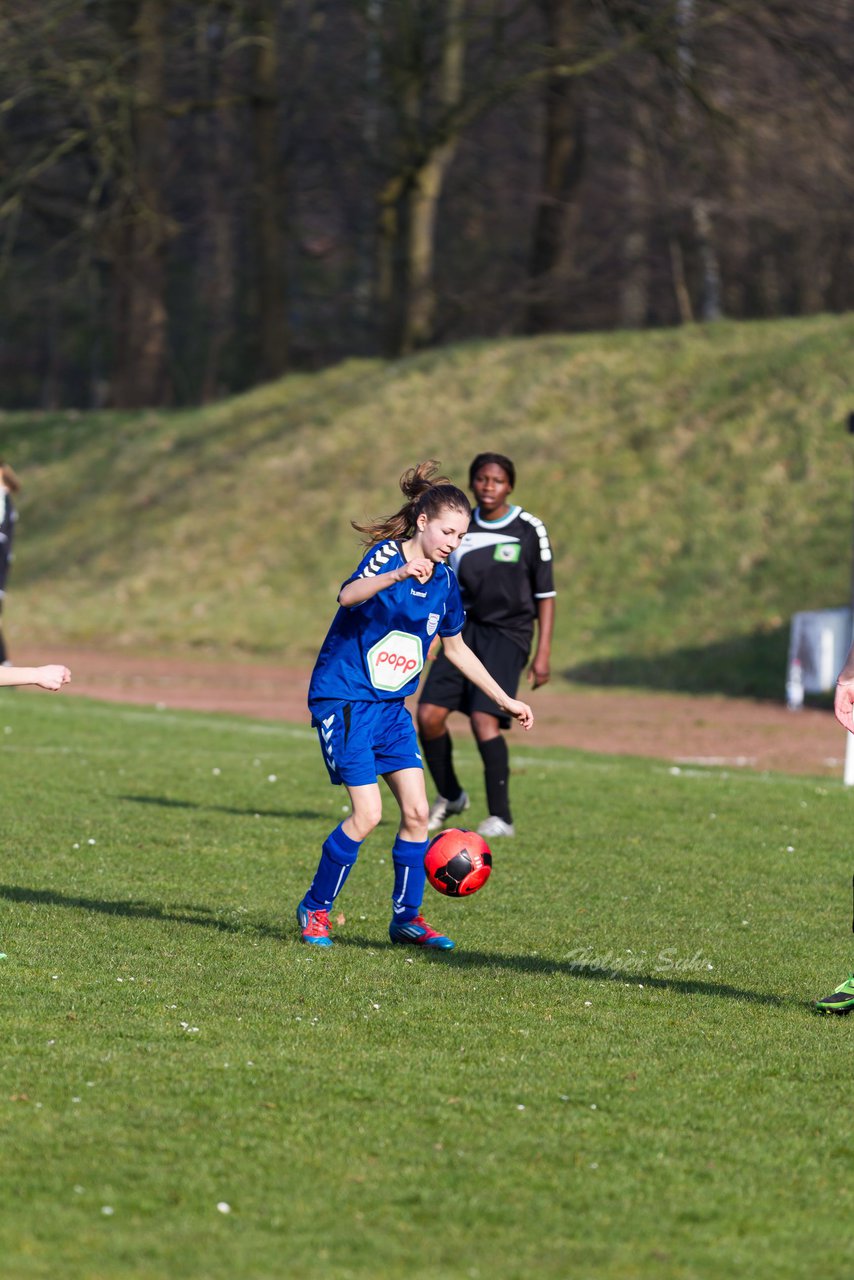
842, 999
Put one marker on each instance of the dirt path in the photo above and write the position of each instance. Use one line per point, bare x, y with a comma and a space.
681, 728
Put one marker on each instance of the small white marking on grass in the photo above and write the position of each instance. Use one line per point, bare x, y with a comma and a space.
740, 761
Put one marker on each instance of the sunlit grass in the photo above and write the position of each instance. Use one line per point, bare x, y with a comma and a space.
615, 1074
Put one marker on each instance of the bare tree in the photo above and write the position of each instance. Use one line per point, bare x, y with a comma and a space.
269, 207
562, 163
140, 227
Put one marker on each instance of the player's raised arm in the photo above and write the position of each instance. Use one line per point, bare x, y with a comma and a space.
358, 590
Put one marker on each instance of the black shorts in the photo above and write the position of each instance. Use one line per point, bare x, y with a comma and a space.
445, 686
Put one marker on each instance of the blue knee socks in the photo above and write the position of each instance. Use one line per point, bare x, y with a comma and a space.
339, 854
409, 877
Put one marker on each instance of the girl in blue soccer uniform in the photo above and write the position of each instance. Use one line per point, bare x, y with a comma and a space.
400, 596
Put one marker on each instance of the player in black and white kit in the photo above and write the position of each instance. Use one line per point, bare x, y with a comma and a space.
504, 568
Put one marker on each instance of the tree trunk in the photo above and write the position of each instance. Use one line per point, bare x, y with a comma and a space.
426, 190
680, 282
563, 154
217, 269
367, 287
391, 279
634, 288
711, 307
141, 376
269, 220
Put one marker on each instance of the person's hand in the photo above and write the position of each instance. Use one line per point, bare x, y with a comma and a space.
420, 568
52, 677
520, 711
843, 703
539, 673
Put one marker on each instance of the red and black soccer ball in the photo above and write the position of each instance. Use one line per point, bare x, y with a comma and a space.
458, 863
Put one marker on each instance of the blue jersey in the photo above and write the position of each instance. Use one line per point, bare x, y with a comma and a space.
374, 652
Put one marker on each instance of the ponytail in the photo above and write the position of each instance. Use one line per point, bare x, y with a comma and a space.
8, 477
427, 494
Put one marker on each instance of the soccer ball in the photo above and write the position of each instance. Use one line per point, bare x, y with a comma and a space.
458, 862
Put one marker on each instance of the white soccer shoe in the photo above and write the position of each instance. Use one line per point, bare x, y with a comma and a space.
442, 809
495, 826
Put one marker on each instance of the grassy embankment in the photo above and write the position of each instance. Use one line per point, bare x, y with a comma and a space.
696, 483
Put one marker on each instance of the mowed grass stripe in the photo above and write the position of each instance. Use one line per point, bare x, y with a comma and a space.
617, 1073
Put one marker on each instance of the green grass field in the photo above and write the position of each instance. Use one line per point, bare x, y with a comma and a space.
697, 484
617, 1073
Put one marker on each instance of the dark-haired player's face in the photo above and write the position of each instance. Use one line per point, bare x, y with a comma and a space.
491, 487
443, 534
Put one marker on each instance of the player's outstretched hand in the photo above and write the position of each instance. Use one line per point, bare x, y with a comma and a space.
52, 677
521, 712
843, 704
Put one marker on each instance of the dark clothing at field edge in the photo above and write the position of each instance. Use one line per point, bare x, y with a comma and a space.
8, 517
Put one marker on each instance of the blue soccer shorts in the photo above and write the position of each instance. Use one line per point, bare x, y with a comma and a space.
361, 741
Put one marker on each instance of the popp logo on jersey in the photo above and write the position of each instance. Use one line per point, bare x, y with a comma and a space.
394, 660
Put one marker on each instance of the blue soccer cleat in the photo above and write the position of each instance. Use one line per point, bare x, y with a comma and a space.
418, 933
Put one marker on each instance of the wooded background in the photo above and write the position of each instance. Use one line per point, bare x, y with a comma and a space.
196, 197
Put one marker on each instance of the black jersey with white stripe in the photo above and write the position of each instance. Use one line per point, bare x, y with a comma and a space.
504, 567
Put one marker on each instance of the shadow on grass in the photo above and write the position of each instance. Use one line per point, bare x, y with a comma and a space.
164, 803
751, 666
204, 917
137, 909
466, 959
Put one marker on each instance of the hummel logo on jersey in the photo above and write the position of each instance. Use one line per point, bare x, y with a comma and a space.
422, 595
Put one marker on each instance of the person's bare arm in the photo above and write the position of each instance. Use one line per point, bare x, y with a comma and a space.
539, 672
53, 676
473, 669
361, 589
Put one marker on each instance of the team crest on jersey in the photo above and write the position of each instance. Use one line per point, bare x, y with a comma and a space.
432, 623
507, 552
394, 660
